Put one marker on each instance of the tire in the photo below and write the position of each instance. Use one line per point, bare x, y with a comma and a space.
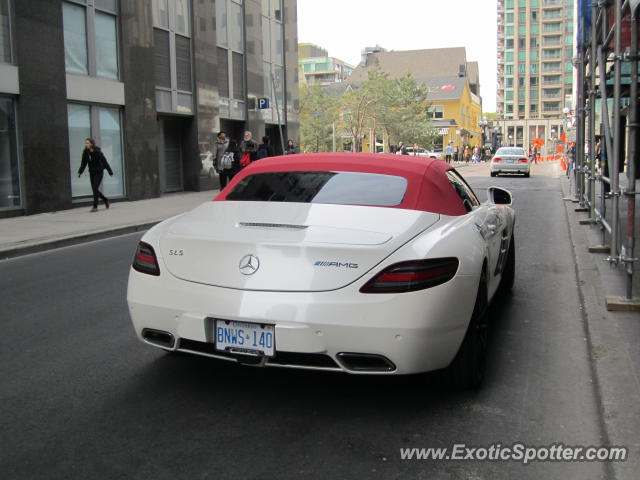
494, 174
527, 174
509, 272
468, 367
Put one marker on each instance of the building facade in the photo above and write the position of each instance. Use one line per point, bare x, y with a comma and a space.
153, 81
454, 102
316, 67
535, 68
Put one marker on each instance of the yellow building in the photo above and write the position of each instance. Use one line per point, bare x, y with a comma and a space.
454, 101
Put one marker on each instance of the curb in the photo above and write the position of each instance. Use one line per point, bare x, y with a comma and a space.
617, 388
21, 250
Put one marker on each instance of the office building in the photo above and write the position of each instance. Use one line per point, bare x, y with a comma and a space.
535, 69
152, 81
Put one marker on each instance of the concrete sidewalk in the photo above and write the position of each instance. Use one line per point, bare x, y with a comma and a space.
33, 233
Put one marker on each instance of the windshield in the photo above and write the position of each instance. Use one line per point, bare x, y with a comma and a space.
510, 151
342, 188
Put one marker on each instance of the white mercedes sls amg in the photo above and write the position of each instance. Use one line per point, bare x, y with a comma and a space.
361, 263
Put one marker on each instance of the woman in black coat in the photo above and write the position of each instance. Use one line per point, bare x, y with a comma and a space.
95, 159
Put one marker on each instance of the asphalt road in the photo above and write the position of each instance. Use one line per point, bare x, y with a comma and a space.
80, 397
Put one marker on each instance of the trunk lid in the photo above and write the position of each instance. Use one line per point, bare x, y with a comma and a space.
285, 246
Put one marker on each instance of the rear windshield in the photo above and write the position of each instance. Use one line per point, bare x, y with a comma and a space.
510, 151
342, 188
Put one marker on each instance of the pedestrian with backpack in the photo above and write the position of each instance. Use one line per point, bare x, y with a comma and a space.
229, 163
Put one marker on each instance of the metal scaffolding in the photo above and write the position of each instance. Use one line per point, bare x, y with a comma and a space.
607, 131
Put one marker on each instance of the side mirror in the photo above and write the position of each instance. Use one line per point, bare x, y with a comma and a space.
499, 196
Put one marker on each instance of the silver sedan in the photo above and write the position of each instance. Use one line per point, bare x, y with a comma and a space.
510, 160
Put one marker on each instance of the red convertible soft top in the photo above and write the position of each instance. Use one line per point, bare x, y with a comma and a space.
428, 187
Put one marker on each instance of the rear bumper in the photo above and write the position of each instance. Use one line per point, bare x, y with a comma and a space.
416, 332
501, 167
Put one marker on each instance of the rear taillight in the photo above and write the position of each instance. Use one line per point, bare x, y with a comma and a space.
497, 159
145, 260
523, 160
412, 275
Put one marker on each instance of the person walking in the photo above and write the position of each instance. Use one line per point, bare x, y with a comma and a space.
248, 149
402, 150
456, 154
221, 146
93, 157
265, 149
467, 154
291, 148
448, 151
476, 154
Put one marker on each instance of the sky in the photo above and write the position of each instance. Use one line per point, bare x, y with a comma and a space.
345, 27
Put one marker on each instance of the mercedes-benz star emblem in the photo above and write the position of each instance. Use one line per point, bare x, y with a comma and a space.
249, 264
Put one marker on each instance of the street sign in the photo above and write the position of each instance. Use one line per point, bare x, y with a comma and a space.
263, 103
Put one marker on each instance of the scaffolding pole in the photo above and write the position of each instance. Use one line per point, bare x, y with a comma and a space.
600, 62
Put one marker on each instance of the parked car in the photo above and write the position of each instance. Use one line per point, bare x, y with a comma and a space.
422, 152
510, 160
360, 263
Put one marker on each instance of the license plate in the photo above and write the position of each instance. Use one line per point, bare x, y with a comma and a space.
245, 337
510, 160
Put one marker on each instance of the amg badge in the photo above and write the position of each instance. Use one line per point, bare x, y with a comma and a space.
324, 263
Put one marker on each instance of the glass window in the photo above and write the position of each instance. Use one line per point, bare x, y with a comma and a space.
509, 56
111, 143
509, 17
522, 55
161, 13
522, 30
276, 9
183, 23
568, 67
236, 27
107, 133
522, 68
522, 17
533, 81
75, 38
266, 40
535, 29
533, 94
79, 118
277, 44
533, 42
509, 4
508, 69
509, 82
162, 62
5, 39
341, 188
509, 43
9, 168
223, 72
533, 68
509, 30
568, 40
183, 63
237, 61
533, 55
435, 111
106, 46
463, 190
568, 79
521, 95
508, 95
221, 23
